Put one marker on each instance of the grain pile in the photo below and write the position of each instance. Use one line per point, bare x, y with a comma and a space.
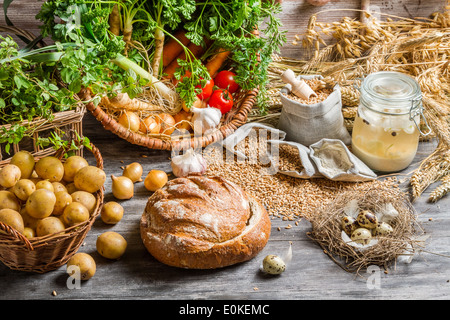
319, 87
283, 196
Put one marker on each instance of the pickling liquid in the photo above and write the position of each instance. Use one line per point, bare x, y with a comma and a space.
384, 145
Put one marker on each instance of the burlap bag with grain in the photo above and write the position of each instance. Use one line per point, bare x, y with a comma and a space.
309, 123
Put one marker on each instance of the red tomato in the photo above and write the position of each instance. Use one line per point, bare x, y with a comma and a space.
225, 80
222, 100
206, 90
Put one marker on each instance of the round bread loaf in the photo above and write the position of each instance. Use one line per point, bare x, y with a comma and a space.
203, 223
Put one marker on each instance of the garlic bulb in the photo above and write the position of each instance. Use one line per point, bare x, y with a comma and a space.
205, 119
189, 163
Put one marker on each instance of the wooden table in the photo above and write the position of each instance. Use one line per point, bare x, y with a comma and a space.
310, 275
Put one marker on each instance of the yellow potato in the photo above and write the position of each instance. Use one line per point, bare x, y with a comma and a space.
112, 212
86, 199
63, 199
29, 232
50, 168
25, 161
28, 220
12, 218
9, 175
72, 165
71, 188
89, 179
45, 184
40, 204
111, 245
58, 186
49, 225
74, 213
9, 200
23, 189
81, 266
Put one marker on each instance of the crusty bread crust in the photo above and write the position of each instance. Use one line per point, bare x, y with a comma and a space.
203, 223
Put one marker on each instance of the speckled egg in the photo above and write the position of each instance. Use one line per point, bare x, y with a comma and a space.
382, 229
273, 264
349, 224
362, 236
367, 219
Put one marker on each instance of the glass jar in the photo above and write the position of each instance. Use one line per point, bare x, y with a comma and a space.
386, 130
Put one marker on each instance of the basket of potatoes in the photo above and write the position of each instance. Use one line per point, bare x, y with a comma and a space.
47, 207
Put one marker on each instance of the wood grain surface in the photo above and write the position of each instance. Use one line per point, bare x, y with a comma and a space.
310, 275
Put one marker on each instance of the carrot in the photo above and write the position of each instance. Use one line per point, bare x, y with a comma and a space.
172, 48
215, 63
197, 52
114, 21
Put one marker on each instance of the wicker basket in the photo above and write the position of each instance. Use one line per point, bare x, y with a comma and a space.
69, 121
230, 122
46, 253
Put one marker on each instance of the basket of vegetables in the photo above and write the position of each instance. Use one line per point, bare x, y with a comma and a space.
175, 74
34, 103
47, 206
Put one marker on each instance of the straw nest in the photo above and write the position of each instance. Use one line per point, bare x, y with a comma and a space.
403, 241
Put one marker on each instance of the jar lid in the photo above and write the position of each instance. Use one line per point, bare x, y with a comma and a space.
391, 92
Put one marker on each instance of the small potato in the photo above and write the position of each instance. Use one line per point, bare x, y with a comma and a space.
63, 199
112, 212
58, 186
25, 161
71, 188
29, 233
9, 200
50, 168
40, 204
45, 184
23, 189
81, 266
86, 199
12, 218
111, 245
9, 175
49, 225
89, 179
72, 165
28, 220
74, 214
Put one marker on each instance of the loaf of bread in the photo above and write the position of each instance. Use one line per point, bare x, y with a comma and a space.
203, 223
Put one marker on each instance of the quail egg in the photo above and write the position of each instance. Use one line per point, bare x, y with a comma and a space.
367, 219
362, 236
348, 224
382, 229
273, 264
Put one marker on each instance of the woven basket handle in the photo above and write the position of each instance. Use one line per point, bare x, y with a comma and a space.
16, 234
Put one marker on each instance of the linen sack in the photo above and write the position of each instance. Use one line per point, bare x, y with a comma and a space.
328, 158
307, 124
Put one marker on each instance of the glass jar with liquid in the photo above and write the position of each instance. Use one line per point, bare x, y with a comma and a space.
386, 131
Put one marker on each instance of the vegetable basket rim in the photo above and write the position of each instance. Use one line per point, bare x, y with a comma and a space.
238, 118
46, 253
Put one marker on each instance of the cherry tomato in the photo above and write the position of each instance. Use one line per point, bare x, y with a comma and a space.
225, 80
206, 90
222, 100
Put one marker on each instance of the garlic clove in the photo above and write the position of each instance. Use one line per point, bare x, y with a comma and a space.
205, 119
189, 163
